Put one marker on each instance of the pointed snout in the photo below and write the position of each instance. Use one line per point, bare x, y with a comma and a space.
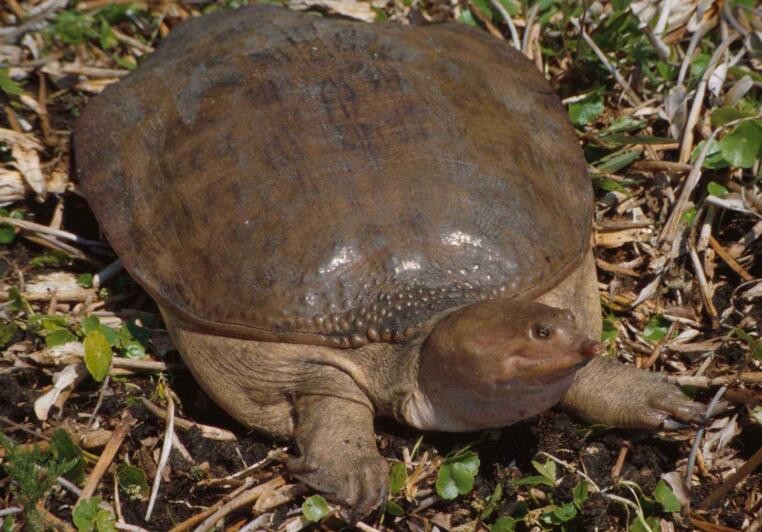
591, 348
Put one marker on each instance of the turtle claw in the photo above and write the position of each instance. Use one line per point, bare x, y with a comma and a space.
672, 425
358, 483
301, 466
608, 392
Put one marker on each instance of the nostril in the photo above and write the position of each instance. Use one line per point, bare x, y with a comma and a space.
568, 316
591, 348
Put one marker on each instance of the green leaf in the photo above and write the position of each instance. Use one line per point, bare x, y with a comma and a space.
65, 450
397, 477
653, 523
463, 477
625, 123
723, 115
503, 524
97, 355
616, 161
623, 140
610, 330
512, 7
585, 111
547, 470
88, 516
484, 7
610, 185
7, 233
392, 508
134, 349
315, 508
132, 480
7, 85
493, 502
46, 322
690, 215
579, 493
8, 524
469, 459
466, 17
714, 159
446, 486
7, 332
73, 27
565, 512
716, 189
656, 329
111, 335
533, 480
51, 259
59, 337
664, 496
742, 146
106, 37
90, 324
85, 280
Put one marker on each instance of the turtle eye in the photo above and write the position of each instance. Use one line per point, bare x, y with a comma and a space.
542, 331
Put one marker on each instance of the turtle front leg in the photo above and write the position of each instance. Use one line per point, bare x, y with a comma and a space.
609, 392
339, 457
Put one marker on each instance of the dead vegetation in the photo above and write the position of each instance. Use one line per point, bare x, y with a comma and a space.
104, 428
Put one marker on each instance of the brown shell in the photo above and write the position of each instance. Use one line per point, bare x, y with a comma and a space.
282, 176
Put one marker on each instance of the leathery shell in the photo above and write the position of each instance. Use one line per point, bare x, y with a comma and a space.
282, 176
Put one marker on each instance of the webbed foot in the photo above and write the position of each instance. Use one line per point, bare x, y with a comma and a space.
609, 392
339, 457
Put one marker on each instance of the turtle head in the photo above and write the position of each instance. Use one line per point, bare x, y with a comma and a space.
493, 363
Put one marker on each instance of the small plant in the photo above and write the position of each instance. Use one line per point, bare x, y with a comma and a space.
88, 516
132, 480
457, 474
34, 471
315, 509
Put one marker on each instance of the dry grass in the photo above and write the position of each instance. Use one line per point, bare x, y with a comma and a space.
666, 98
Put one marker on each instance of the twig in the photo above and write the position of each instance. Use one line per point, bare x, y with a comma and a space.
752, 377
617, 469
500, 8
22, 428
703, 286
106, 457
688, 59
244, 499
686, 145
570, 467
669, 231
105, 275
750, 465
99, 402
166, 448
41, 297
700, 434
486, 22
730, 261
527, 29
44, 229
212, 433
197, 518
609, 66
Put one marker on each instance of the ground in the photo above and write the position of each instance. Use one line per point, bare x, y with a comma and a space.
666, 103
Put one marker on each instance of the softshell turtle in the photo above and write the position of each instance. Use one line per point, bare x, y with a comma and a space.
340, 220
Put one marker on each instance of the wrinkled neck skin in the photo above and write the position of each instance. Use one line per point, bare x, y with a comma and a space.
447, 405
489, 365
